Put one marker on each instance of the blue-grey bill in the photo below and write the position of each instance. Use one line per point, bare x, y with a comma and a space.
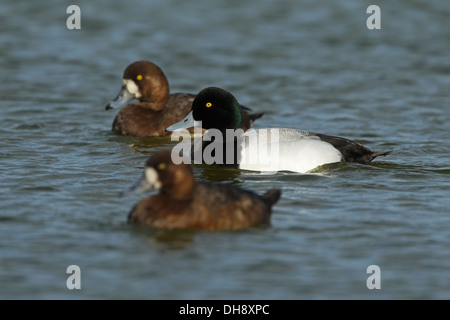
186, 123
139, 187
148, 181
121, 100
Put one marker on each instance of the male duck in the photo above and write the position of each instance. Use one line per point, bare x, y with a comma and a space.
183, 203
156, 109
273, 149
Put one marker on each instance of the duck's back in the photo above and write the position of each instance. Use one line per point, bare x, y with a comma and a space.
212, 207
141, 121
228, 207
177, 107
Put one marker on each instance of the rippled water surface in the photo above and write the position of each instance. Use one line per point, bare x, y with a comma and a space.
311, 65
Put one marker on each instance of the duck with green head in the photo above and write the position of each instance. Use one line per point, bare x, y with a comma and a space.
271, 149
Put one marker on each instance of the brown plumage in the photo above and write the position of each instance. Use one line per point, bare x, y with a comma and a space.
182, 203
157, 108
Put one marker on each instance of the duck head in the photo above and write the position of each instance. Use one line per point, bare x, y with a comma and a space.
144, 81
212, 108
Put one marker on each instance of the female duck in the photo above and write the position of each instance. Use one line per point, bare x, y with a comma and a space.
183, 203
156, 109
273, 149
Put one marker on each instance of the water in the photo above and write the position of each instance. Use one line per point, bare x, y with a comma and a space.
308, 65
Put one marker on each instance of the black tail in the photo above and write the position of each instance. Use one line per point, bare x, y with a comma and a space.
351, 150
272, 196
377, 154
254, 116
249, 118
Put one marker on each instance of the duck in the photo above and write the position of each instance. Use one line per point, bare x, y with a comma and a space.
156, 107
184, 203
267, 149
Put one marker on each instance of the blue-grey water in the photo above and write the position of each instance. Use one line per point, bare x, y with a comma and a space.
311, 65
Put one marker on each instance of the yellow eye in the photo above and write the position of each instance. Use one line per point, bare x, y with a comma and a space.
209, 104
161, 166
139, 77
